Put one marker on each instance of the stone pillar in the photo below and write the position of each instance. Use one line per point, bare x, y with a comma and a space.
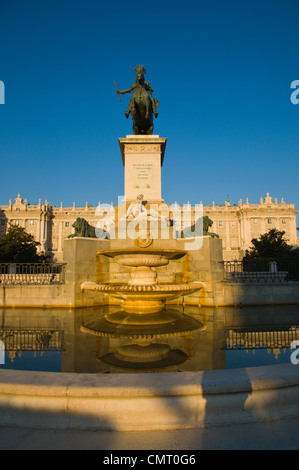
293, 231
142, 157
248, 233
80, 254
227, 232
60, 231
242, 232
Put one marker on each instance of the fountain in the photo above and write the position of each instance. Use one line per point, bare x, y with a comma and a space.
143, 318
142, 294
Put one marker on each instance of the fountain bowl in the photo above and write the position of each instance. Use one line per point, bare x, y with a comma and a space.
143, 257
142, 294
147, 298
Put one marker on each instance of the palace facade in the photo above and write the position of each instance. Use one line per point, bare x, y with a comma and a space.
235, 224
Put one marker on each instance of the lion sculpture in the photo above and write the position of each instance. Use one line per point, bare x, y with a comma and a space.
83, 229
203, 223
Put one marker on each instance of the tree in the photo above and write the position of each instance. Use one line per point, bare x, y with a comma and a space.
271, 246
18, 246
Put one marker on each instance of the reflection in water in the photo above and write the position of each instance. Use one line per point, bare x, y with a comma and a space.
141, 332
250, 346
144, 356
104, 339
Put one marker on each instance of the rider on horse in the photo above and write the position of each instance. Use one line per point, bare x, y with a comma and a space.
140, 85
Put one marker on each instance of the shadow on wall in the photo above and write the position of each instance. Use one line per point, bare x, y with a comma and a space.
224, 401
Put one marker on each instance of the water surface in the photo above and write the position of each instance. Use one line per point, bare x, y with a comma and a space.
88, 341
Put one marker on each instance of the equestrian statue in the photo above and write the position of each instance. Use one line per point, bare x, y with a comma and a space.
142, 105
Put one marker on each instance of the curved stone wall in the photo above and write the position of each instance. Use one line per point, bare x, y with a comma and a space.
148, 401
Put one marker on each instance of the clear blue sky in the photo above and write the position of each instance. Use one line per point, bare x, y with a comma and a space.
221, 69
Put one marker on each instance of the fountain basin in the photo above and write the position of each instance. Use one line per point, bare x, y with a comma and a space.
135, 402
144, 257
191, 398
144, 298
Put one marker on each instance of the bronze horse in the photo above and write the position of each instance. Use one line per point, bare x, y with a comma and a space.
142, 106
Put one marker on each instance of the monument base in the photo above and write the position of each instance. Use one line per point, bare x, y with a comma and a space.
143, 157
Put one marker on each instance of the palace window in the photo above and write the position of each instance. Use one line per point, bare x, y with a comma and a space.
66, 224
269, 221
3, 222
283, 221
220, 223
31, 222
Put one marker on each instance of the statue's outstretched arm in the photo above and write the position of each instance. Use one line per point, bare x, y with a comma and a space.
148, 87
123, 92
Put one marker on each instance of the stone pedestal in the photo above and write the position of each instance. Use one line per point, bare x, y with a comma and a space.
85, 264
80, 255
142, 157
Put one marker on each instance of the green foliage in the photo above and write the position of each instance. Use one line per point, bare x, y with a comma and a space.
18, 246
271, 246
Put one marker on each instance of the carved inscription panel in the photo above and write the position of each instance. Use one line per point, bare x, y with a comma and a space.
143, 174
